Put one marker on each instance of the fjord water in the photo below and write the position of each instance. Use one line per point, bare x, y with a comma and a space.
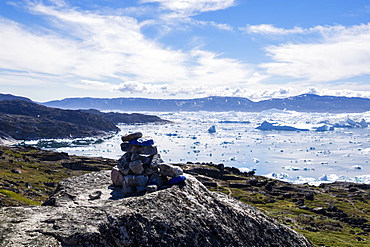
295, 156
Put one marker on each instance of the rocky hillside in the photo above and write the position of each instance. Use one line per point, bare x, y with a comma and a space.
332, 214
329, 215
25, 120
181, 215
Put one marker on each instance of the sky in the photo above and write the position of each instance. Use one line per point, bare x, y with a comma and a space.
258, 49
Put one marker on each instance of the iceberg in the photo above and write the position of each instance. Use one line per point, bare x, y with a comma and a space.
273, 126
324, 128
212, 129
349, 123
255, 160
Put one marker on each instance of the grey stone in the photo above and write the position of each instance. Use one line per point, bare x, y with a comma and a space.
170, 170
127, 189
136, 167
124, 161
132, 136
144, 159
150, 170
135, 156
126, 171
136, 180
124, 146
187, 215
134, 183
148, 150
116, 176
95, 195
156, 159
155, 178
151, 188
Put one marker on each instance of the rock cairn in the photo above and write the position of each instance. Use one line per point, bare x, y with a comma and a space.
141, 168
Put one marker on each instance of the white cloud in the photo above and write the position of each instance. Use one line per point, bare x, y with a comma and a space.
269, 29
214, 70
177, 14
220, 26
137, 87
325, 31
337, 92
104, 47
24, 51
262, 92
342, 53
168, 91
192, 7
98, 85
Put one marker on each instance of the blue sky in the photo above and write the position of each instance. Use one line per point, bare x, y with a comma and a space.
259, 49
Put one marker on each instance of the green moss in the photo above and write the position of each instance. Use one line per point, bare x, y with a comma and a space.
18, 197
334, 239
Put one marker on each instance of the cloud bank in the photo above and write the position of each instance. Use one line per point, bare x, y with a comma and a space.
99, 47
337, 53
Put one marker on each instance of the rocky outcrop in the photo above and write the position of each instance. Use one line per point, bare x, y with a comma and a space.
86, 211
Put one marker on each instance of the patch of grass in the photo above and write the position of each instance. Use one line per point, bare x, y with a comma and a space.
19, 198
220, 189
334, 239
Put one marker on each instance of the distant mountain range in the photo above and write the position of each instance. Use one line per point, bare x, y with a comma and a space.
300, 103
13, 97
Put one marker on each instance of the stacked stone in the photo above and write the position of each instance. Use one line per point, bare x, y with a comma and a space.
141, 168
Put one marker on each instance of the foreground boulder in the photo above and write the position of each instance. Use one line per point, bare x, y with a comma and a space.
85, 211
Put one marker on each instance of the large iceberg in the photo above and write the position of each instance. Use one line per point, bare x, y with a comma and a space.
274, 126
349, 123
